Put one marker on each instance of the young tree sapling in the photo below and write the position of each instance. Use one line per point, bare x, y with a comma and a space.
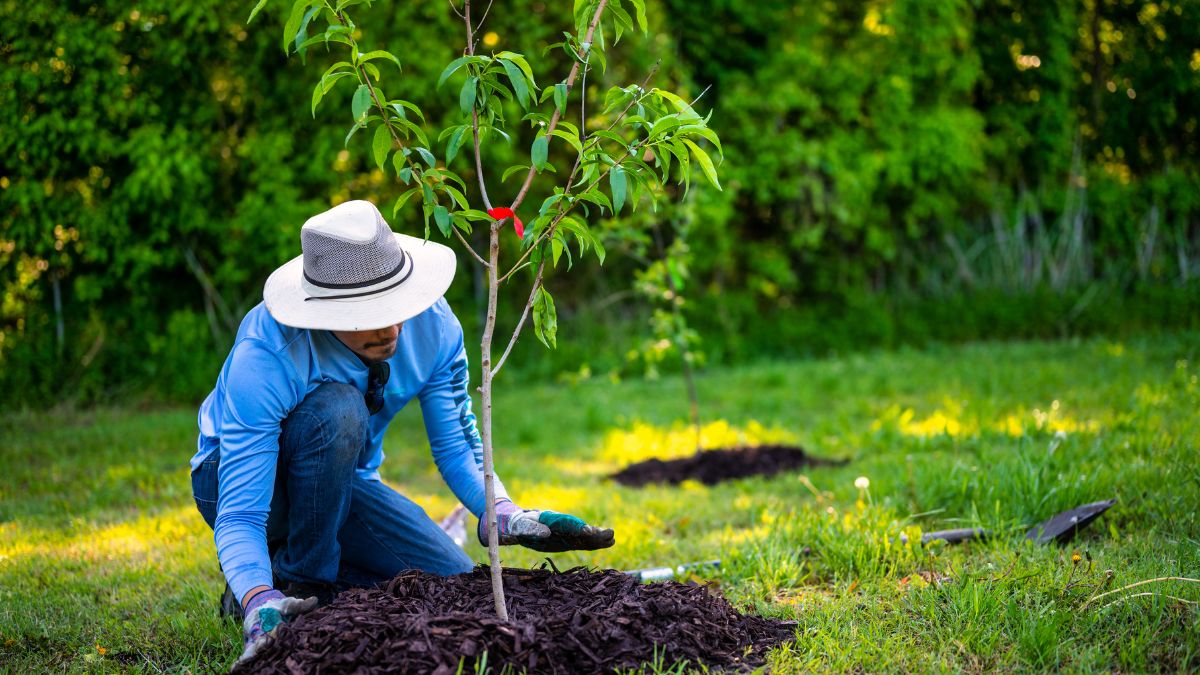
644, 125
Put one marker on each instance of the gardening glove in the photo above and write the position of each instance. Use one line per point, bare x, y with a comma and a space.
265, 612
546, 531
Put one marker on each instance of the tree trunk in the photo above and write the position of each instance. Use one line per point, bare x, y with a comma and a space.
489, 471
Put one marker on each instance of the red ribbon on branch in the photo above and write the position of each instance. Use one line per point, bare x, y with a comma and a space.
502, 212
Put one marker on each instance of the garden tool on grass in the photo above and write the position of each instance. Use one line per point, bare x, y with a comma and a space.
664, 573
1063, 527
950, 536
1059, 528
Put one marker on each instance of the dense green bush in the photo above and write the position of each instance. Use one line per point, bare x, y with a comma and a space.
897, 172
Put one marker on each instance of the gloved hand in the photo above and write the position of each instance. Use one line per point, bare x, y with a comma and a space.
546, 531
264, 613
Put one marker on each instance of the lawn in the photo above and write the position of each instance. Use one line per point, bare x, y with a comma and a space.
105, 565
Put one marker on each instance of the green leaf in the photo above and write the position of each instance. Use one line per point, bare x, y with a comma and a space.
427, 156
314, 40
409, 127
466, 97
560, 97
400, 105
703, 132
539, 151
521, 63
621, 19
572, 140
450, 175
520, 88
599, 249
350, 134
441, 216
610, 135
456, 141
617, 182
257, 8
459, 222
323, 88
427, 194
381, 144
681, 105
710, 172
301, 40
292, 27
557, 246
545, 319
458, 197
371, 70
403, 199
474, 214
640, 7
403, 172
596, 197
361, 102
381, 54
511, 170
450, 69
663, 125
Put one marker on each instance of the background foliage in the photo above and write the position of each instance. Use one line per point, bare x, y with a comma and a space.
896, 172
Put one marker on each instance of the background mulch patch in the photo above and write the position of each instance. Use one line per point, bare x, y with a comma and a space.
578, 621
714, 466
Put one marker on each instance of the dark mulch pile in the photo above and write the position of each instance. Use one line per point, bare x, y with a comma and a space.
578, 621
714, 466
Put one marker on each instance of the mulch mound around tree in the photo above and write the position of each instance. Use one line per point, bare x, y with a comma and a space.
578, 621
714, 466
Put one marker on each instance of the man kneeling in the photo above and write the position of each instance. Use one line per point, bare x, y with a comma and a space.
291, 438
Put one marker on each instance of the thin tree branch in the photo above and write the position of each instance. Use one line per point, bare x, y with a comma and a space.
537, 280
591, 32
537, 283
554, 223
582, 105
487, 202
467, 245
575, 169
484, 17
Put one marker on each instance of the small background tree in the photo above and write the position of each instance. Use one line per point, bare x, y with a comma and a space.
642, 139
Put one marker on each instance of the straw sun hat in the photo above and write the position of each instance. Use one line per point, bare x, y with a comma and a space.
356, 274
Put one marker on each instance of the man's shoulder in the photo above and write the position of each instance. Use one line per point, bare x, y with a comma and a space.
259, 329
436, 317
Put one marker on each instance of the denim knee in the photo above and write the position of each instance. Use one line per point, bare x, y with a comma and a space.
335, 416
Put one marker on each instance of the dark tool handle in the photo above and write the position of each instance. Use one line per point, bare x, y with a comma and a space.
955, 536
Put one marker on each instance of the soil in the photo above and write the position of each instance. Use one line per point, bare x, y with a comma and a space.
578, 621
714, 466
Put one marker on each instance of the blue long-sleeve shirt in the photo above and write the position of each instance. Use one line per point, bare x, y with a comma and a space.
267, 374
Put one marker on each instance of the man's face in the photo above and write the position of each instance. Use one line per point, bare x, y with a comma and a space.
372, 345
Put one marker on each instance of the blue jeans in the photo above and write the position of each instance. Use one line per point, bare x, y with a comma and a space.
327, 524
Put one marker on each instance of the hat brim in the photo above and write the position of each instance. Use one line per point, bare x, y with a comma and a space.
433, 270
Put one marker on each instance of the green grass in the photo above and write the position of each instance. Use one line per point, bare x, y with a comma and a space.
105, 565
